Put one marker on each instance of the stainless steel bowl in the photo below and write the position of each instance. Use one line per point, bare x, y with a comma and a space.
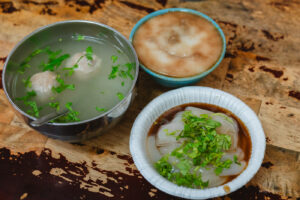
74, 131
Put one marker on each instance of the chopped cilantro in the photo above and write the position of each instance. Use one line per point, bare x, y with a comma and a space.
79, 37
55, 105
101, 109
201, 147
62, 86
71, 116
114, 58
72, 69
123, 71
25, 63
235, 160
122, 83
54, 62
32, 104
60, 39
120, 95
170, 133
27, 82
114, 71
89, 53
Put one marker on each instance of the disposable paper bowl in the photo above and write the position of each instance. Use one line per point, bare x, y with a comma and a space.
191, 94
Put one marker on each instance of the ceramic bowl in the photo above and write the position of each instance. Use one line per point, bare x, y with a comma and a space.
171, 81
192, 94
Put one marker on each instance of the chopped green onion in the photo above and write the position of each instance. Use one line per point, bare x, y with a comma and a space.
114, 58
89, 53
120, 95
101, 109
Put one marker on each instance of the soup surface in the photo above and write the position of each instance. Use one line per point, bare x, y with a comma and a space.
86, 75
199, 145
178, 44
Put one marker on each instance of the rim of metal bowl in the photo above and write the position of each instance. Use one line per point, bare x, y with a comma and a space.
187, 10
60, 23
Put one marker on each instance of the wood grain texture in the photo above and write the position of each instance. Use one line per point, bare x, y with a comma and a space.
261, 66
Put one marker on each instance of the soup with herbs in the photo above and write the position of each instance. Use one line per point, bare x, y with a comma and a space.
178, 44
199, 145
86, 75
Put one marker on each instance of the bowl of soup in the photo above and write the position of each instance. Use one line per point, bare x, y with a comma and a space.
84, 67
178, 46
197, 143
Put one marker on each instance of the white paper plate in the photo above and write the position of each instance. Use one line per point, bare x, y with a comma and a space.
191, 94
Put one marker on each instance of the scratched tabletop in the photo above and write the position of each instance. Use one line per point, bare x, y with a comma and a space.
261, 67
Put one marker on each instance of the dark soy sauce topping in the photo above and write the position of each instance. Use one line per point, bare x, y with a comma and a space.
244, 140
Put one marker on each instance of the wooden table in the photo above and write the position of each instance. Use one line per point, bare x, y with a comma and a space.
262, 67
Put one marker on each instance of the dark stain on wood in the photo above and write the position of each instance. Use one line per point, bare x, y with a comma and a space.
291, 115
261, 58
3, 59
229, 77
276, 73
269, 103
285, 79
48, 11
246, 46
253, 192
162, 2
267, 165
126, 157
251, 69
17, 178
1, 86
282, 107
47, 3
229, 55
79, 144
93, 6
268, 35
8, 7
294, 94
138, 7
99, 150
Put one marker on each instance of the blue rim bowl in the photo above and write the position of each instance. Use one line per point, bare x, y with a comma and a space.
172, 81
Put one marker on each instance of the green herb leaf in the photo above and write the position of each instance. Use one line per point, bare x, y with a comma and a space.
27, 82
235, 160
79, 37
55, 105
120, 95
25, 64
89, 53
53, 62
32, 104
71, 116
201, 147
101, 109
71, 70
114, 58
62, 86
122, 83
114, 71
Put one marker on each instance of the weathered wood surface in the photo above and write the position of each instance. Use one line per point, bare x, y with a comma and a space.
262, 67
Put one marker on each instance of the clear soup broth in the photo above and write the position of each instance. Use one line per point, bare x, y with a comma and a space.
87, 75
